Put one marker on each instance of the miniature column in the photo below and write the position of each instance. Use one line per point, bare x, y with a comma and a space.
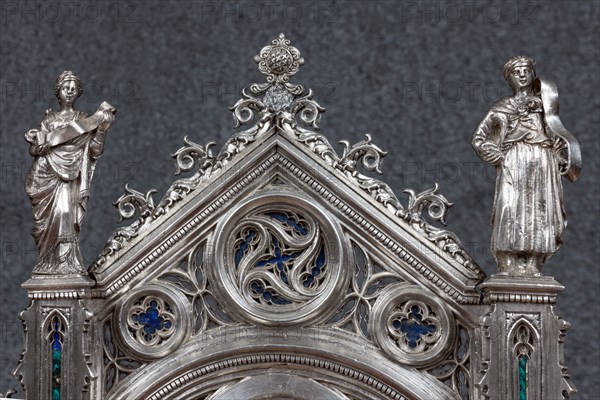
522, 340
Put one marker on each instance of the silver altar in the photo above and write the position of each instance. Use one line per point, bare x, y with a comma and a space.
279, 268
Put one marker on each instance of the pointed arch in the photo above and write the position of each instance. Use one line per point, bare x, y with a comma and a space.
55, 327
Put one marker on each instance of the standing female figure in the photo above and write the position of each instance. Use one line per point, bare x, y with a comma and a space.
522, 136
65, 148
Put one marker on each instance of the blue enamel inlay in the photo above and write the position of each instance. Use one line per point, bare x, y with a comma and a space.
151, 321
239, 254
279, 260
281, 217
413, 328
56, 359
317, 269
268, 295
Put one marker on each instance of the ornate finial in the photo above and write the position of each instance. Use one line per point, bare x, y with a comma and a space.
278, 61
280, 106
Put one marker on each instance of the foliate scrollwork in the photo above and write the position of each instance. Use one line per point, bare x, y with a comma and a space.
153, 321
366, 152
437, 209
280, 106
130, 204
188, 156
283, 261
411, 326
133, 201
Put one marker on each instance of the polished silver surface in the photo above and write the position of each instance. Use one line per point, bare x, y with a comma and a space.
65, 148
280, 269
524, 138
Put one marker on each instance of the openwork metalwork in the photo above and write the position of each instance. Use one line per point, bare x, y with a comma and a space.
116, 365
278, 268
455, 371
153, 320
289, 109
411, 326
367, 281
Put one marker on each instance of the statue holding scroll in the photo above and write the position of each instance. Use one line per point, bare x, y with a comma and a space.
523, 137
65, 148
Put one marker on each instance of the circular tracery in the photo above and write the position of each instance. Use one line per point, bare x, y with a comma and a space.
153, 320
411, 325
279, 261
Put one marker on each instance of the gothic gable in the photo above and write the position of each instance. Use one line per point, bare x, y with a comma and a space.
279, 234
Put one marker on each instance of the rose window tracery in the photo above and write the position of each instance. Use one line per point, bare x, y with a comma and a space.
279, 260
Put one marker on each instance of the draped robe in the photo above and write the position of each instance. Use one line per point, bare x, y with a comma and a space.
58, 186
528, 215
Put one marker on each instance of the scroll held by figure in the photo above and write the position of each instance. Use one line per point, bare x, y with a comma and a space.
65, 148
523, 137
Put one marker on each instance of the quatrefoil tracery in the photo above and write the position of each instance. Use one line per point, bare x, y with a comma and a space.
151, 321
414, 326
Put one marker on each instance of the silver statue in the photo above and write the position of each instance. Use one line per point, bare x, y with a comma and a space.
281, 269
523, 137
65, 148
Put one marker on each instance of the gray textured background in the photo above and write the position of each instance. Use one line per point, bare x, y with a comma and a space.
417, 75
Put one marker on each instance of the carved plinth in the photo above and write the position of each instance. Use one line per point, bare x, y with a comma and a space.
56, 362
58, 286
522, 340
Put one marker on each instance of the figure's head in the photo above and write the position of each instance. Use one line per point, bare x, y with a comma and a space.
68, 87
519, 72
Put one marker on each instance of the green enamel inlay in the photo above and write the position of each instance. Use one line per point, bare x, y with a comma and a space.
523, 377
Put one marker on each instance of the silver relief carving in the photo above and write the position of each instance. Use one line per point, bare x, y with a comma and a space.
282, 281
191, 279
129, 205
280, 106
455, 371
367, 281
117, 365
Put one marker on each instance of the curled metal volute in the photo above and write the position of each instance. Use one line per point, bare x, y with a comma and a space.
244, 110
307, 110
368, 154
436, 204
133, 201
188, 155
